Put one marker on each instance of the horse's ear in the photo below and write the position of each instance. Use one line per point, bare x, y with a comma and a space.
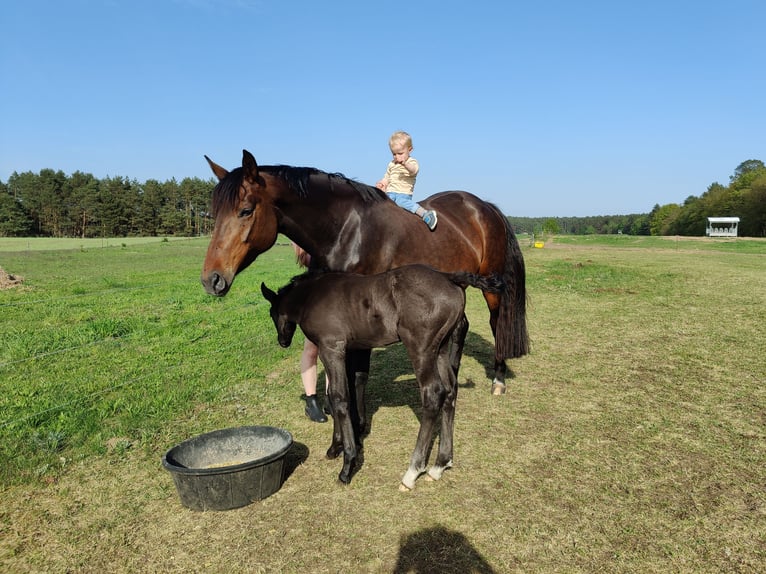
249, 166
219, 172
269, 295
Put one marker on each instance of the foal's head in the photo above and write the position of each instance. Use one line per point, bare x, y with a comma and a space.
285, 327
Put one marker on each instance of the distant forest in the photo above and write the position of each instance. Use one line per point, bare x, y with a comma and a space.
743, 197
53, 204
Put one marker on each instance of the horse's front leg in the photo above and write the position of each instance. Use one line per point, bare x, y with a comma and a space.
343, 431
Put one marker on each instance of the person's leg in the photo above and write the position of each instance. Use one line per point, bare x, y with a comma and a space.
404, 200
309, 378
309, 367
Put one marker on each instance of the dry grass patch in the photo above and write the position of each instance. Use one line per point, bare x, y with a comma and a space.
8, 280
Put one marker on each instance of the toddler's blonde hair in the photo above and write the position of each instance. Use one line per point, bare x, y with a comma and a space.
400, 137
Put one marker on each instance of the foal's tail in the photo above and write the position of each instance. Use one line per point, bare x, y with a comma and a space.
511, 336
488, 283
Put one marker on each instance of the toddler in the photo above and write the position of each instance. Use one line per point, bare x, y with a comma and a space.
399, 181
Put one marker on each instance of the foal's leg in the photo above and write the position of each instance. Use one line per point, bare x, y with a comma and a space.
432, 395
336, 446
458, 342
358, 369
447, 374
360, 386
343, 432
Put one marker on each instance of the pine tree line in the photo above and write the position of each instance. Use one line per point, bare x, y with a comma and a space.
53, 204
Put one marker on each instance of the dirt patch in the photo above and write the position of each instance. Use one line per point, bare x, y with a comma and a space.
8, 281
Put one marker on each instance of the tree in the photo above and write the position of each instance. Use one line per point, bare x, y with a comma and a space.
151, 201
640, 225
14, 221
52, 198
195, 195
753, 220
172, 214
690, 219
746, 167
662, 217
551, 227
84, 204
118, 199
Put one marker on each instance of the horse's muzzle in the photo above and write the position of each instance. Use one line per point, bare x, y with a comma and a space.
216, 284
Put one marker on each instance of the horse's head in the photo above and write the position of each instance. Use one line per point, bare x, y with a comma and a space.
285, 327
245, 224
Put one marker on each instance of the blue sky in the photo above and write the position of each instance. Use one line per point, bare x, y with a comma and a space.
546, 108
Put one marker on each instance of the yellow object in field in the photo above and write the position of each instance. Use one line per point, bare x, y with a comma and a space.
539, 244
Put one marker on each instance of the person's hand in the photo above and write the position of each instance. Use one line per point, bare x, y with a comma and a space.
382, 184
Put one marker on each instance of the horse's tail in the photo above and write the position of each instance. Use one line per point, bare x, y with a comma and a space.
511, 336
489, 283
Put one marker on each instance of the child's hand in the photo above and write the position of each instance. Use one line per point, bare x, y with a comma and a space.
382, 184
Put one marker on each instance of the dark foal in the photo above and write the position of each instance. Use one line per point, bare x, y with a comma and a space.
342, 312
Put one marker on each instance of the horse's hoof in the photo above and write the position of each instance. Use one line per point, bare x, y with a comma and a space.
344, 478
403, 488
436, 472
498, 389
409, 478
333, 452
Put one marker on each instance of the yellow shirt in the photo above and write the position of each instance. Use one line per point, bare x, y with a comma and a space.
399, 179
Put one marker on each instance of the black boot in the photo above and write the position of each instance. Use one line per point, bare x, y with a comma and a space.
313, 411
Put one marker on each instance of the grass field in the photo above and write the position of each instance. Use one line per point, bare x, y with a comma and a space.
632, 438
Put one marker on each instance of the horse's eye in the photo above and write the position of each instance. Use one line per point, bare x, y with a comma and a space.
246, 212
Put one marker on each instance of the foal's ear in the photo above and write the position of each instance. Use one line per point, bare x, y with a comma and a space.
268, 293
218, 171
249, 166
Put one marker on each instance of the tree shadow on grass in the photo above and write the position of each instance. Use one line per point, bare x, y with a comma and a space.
440, 550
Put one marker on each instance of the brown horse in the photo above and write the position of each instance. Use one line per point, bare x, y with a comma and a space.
348, 226
414, 304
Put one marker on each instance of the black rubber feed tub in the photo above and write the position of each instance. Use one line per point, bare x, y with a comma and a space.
228, 468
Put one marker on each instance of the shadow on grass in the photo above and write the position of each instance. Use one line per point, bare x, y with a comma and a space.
393, 384
439, 550
296, 456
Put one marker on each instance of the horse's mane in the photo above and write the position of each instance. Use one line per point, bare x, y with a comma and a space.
298, 279
226, 193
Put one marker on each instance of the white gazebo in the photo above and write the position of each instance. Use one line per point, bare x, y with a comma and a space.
722, 226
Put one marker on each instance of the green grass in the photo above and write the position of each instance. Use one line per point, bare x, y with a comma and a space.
21, 244
98, 344
631, 439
